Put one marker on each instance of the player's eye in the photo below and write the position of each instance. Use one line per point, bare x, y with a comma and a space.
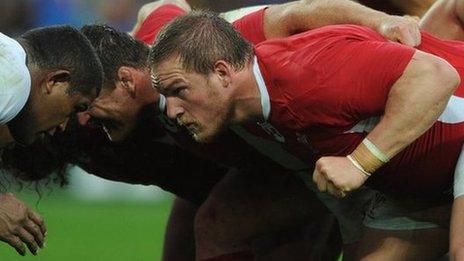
179, 91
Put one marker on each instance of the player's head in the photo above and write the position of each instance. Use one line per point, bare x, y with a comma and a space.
66, 76
127, 87
194, 62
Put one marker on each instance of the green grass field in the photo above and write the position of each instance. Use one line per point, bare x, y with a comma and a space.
88, 231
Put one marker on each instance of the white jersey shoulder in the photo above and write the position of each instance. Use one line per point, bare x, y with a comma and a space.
15, 79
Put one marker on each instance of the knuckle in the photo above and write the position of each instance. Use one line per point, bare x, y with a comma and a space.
315, 176
16, 242
14, 230
29, 239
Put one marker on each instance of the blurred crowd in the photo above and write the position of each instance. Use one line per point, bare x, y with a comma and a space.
16, 16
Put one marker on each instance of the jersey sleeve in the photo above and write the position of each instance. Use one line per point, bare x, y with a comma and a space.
154, 22
352, 73
251, 26
15, 79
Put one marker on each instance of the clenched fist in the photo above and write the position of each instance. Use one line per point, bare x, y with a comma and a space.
337, 175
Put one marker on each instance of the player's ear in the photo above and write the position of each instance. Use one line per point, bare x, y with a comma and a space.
127, 78
58, 78
224, 72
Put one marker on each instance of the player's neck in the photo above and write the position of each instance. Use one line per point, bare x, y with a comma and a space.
247, 101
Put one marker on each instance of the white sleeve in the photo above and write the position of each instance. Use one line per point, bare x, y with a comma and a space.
15, 79
458, 188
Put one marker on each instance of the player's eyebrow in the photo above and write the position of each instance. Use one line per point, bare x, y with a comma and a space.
170, 85
167, 88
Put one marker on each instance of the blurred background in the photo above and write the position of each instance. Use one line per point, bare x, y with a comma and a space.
17, 16
94, 219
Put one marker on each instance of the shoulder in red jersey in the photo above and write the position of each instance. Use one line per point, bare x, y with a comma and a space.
251, 26
330, 77
156, 21
344, 71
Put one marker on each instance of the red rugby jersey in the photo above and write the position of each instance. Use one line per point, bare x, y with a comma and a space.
250, 26
328, 87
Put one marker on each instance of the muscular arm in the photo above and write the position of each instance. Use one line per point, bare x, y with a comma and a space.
290, 18
414, 103
179, 232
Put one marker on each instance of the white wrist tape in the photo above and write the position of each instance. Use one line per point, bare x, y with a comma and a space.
358, 166
376, 151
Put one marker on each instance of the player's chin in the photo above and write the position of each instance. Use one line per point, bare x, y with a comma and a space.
118, 136
204, 136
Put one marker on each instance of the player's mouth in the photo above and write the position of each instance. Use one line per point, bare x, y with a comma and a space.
180, 122
191, 127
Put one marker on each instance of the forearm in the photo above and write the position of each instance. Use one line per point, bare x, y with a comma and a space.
415, 102
179, 241
295, 17
304, 15
456, 250
343, 11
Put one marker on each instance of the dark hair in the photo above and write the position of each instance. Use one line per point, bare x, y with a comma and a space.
63, 47
45, 159
201, 38
115, 49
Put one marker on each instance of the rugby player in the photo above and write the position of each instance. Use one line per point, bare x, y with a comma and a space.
276, 15
111, 126
44, 80
177, 110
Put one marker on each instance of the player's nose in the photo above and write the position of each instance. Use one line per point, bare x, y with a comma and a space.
174, 110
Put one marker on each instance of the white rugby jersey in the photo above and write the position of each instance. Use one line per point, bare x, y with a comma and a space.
15, 79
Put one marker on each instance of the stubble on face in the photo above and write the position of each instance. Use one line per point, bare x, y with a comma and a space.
208, 131
206, 111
